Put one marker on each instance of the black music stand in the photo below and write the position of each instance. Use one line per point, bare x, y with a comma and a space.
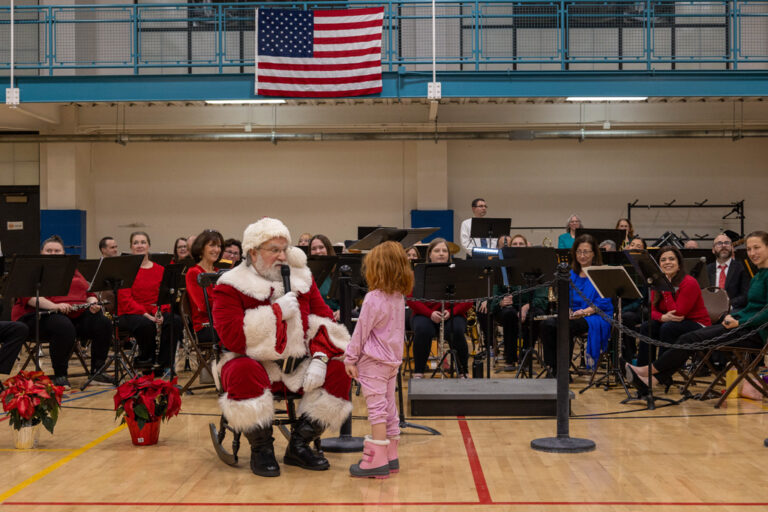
601, 235
655, 279
114, 274
442, 282
530, 267
490, 228
162, 258
172, 286
40, 276
88, 268
406, 237
610, 282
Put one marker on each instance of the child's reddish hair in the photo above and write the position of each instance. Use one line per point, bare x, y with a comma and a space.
388, 269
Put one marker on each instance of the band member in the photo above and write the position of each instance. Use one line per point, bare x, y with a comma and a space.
108, 247
626, 225
428, 316
137, 306
752, 316
565, 241
232, 251
479, 210
320, 245
205, 251
304, 239
727, 273
63, 322
584, 318
277, 341
180, 249
673, 314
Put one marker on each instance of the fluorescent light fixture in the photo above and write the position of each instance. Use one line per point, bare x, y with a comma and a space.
606, 98
245, 102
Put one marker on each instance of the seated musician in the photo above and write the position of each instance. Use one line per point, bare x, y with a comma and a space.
728, 273
205, 251
427, 318
633, 311
607, 246
108, 247
584, 318
626, 225
137, 307
565, 241
180, 250
304, 239
673, 314
277, 342
232, 251
412, 253
752, 317
509, 310
320, 245
65, 319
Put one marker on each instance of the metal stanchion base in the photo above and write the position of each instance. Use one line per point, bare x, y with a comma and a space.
563, 445
342, 444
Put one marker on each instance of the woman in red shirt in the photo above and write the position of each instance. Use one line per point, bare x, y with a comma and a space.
206, 251
137, 307
673, 314
61, 327
426, 321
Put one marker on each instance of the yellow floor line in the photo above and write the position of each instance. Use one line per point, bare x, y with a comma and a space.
34, 478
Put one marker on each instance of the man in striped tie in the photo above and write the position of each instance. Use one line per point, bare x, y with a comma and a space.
727, 273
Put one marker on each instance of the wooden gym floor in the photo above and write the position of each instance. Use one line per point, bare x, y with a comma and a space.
685, 457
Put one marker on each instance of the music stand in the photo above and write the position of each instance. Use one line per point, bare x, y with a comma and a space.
531, 265
490, 228
655, 279
442, 282
162, 258
610, 282
601, 235
40, 276
697, 269
114, 274
172, 286
88, 268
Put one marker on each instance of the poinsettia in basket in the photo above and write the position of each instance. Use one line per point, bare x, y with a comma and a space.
31, 400
142, 402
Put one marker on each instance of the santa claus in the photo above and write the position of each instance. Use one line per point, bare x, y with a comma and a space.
275, 341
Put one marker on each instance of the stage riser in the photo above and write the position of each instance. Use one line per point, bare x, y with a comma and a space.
483, 397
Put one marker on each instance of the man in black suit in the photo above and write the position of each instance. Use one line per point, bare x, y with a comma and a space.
727, 273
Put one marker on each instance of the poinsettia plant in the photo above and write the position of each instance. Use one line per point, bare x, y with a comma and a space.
31, 398
146, 399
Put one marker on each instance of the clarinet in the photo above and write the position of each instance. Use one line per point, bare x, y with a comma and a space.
76, 307
158, 335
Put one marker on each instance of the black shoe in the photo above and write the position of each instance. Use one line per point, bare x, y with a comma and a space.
263, 462
63, 381
140, 363
102, 380
299, 453
634, 380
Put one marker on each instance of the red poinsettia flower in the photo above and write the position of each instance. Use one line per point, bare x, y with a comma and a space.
148, 397
31, 396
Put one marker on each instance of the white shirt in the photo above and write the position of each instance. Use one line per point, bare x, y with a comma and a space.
470, 243
717, 270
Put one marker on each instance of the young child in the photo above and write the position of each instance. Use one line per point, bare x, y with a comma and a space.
374, 355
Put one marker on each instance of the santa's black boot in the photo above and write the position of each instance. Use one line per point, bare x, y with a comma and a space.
299, 452
263, 462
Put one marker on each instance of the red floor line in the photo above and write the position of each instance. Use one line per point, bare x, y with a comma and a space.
483, 494
388, 503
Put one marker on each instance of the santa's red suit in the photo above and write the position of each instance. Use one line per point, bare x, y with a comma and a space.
258, 337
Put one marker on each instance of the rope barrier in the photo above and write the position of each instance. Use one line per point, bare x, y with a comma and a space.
475, 299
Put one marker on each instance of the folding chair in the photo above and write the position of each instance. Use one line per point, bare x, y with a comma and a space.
204, 352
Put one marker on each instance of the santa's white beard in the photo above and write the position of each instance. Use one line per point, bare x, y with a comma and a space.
270, 273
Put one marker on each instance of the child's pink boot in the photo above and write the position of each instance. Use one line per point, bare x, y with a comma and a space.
394, 461
375, 463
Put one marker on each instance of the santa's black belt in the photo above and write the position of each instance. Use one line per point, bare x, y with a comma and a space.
290, 364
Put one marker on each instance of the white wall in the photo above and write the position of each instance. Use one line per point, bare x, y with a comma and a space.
180, 189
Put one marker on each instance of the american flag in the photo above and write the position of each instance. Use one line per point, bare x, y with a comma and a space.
320, 53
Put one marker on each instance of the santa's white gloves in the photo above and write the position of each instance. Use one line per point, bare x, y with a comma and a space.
289, 305
315, 375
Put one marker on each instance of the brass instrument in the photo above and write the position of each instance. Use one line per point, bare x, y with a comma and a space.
547, 242
474, 331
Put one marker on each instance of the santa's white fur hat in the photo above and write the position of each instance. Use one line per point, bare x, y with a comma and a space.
263, 230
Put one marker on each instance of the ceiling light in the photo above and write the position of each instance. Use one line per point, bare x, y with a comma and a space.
245, 102
606, 98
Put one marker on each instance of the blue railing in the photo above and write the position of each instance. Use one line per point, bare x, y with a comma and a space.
488, 35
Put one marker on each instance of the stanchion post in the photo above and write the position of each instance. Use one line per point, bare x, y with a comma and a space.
345, 442
563, 443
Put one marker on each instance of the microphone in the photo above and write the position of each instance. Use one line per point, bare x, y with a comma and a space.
285, 271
